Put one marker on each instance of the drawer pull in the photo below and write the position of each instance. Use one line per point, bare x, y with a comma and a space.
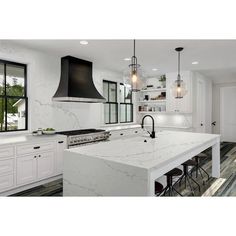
39, 155
37, 147
136, 132
35, 156
61, 142
121, 134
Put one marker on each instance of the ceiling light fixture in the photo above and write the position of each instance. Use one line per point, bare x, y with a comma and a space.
83, 42
179, 88
195, 62
154, 69
127, 59
134, 76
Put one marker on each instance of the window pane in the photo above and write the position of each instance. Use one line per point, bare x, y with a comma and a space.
122, 113
15, 80
2, 114
105, 90
122, 93
106, 113
1, 79
128, 95
16, 114
113, 108
129, 113
112, 92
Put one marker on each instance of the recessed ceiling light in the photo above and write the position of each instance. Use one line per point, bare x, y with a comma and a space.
154, 69
83, 42
195, 62
127, 59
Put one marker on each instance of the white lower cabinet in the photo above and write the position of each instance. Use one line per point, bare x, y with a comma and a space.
124, 133
61, 146
26, 169
45, 165
30, 162
6, 182
34, 167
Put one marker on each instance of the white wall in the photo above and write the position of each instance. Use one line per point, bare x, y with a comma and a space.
186, 120
208, 101
216, 104
43, 79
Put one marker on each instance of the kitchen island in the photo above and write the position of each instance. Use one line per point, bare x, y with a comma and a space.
130, 166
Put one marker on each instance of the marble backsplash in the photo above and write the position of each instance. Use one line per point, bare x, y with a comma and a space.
43, 75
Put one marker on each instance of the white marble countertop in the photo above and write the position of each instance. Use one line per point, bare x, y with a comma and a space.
120, 127
21, 138
135, 152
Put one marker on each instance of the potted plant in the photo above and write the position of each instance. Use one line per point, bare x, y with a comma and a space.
162, 79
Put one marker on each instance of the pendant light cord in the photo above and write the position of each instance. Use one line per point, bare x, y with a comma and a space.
178, 65
134, 47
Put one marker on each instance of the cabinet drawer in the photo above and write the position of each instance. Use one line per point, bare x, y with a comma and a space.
6, 152
125, 133
31, 148
6, 166
6, 182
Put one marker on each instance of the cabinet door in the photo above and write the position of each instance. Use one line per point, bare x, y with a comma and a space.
26, 169
179, 105
61, 146
45, 164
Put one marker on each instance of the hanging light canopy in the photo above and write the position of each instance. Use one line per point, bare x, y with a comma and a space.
179, 87
133, 77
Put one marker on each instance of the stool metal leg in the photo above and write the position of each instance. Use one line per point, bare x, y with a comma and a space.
177, 192
187, 178
208, 177
195, 183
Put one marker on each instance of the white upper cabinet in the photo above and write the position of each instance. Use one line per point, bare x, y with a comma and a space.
184, 104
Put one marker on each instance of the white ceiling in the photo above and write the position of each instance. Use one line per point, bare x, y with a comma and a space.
217, 58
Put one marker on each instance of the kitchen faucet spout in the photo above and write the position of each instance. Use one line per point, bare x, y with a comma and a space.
152, 135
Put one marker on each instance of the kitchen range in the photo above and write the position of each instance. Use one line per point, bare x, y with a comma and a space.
77, 138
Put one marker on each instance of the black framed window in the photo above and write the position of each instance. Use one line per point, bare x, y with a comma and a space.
111, 105
126, 105
13, 97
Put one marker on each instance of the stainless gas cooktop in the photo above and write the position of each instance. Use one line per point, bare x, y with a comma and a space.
84, 136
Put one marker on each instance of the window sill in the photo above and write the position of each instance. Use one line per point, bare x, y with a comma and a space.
12, 133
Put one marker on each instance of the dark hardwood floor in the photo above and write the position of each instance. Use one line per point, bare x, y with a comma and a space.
224, 186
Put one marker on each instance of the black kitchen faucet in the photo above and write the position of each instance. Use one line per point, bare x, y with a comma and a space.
152, 134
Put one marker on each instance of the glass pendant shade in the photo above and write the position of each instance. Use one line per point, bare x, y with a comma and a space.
133, 75
133, 78
179, 87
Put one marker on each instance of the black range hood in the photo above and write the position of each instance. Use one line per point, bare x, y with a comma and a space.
76, 83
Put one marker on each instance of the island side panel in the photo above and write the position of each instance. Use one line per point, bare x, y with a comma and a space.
216, 159
91, 176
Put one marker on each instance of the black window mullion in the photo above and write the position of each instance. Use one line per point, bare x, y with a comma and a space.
6, 97
109, 103
5, 93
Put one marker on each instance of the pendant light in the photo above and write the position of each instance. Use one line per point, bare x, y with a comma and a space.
179, 87
133, 77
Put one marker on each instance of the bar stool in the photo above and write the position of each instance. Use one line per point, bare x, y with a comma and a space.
187, 177
199, 168
169, 178
158, 188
